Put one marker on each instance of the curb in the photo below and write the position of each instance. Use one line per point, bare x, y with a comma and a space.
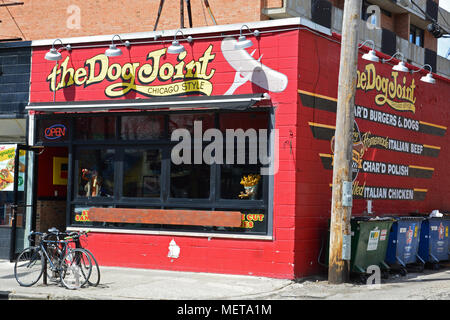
28, 296
11, 295
41, 296
4, 295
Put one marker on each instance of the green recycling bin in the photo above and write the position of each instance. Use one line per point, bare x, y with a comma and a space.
370, 239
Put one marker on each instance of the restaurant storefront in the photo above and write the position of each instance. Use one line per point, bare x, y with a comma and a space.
218, 158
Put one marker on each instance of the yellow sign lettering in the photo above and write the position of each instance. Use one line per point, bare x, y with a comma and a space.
391, 91
193, 76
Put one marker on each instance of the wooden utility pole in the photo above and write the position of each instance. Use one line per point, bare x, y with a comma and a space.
341, 210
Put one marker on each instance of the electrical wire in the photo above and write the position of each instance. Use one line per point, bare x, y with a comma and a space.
427, 16
423, 12
443, 18
215, 36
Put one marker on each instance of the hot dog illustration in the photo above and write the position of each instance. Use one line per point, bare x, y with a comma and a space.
252, 69
6, 178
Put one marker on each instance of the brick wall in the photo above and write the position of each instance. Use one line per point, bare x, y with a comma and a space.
272, 3
429, 41
387, 22
401, 25
50, 213
43, 19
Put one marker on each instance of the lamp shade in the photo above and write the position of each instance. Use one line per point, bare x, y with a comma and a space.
53, 55
176, 47
113, 51
371, 56
400, 67
428, 78
243, 43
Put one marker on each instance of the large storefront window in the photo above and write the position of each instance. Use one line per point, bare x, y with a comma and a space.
190, 181
95, 128
186, 121
141, 173
142, 127
95, 172
133, 168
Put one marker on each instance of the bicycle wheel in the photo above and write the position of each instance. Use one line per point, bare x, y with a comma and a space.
76, 267
94, 278
29, 266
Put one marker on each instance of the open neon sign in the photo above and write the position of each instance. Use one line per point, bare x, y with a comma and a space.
55, 131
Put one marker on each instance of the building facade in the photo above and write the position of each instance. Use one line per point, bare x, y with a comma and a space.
129, 138
134, 147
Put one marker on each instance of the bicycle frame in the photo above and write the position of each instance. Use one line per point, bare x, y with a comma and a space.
45, 250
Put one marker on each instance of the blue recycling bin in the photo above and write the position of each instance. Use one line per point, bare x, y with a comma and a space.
434, 240
404, 240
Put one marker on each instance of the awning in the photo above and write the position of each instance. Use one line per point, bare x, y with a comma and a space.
13, 130
238, 102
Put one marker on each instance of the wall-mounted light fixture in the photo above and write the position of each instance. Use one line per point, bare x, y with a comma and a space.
428, 78
113, 51
399, 66
53, 54
244, 43
176, 47
371, 55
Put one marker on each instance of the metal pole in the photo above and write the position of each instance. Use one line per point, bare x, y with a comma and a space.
161, 4
339, 257
12, 248
210, 11
181, 14
188, 4
11, 4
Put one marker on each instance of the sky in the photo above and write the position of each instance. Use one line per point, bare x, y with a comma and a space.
444, 43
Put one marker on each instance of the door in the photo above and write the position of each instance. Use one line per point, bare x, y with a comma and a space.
21, 208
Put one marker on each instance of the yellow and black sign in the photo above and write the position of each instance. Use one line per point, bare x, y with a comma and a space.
151, 79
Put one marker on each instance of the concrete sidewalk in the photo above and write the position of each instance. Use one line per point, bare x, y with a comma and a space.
137, 284
129, 283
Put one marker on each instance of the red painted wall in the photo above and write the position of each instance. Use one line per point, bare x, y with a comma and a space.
45, 186
427, 180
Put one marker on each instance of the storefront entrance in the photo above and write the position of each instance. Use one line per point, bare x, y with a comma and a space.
16, 198
33, 191
51, 189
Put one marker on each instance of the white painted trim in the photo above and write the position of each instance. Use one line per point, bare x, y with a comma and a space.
172, 233
119, 105
189, 31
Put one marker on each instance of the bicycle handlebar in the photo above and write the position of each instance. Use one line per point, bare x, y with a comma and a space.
57, 233
76, 234
33, 233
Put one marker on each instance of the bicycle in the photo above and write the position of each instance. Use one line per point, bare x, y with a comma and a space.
73, 265
74, 237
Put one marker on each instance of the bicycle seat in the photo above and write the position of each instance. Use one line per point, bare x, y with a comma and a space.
53, 230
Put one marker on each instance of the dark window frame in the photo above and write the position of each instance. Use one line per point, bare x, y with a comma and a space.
416, 33
213, 203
